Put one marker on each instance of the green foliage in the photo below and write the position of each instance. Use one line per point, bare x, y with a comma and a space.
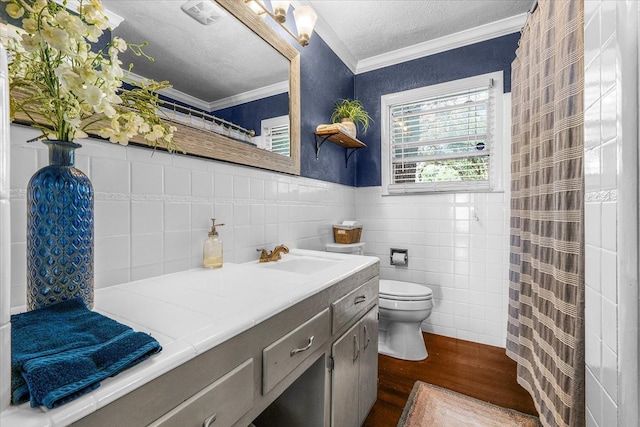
351, 109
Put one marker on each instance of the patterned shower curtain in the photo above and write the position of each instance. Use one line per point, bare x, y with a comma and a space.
546, 292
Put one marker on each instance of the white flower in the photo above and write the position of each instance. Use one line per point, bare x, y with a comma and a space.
68, 84
15, 11
119, 44
30, 25
56, 37
92, 95
156, 132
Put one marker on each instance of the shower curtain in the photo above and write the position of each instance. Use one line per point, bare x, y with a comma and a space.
545, 333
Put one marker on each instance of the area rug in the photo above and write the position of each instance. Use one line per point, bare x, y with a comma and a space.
433, 406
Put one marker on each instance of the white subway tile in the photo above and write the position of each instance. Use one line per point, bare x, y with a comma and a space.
201, 184
609, 323
110, 175
609, 275
609, 226
223, 186
18, 208
24, 163
177, 181
241, 187
177, 216
177, 245
146, 178
111, 217
111, 253
223, 213
610, 372
257, 214
146, 249
201, 214
241, 214
593, 397
147, 217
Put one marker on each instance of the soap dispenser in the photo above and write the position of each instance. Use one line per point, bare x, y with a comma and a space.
212, 248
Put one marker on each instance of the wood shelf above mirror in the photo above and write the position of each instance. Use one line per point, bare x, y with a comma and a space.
340, 138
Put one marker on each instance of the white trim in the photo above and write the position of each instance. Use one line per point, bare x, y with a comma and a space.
252, 95
501, 125
323, 30
442, 44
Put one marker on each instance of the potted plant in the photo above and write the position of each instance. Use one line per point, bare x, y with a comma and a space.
350, 113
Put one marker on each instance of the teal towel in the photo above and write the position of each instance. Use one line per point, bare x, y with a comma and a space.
63, 351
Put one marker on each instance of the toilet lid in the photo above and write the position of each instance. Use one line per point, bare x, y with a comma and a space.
404, 291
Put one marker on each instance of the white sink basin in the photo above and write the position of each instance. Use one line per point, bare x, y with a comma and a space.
300, 264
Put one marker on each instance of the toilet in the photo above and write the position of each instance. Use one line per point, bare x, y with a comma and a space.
403, 307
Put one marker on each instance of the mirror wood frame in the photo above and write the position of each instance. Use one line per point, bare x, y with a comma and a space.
220, 147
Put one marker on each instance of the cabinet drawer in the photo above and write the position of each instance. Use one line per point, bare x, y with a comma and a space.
354, 303
221, 404
281, 357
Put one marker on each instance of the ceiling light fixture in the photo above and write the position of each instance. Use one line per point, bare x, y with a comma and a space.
305, 17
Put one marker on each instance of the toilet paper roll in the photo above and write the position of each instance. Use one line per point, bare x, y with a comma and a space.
398, 259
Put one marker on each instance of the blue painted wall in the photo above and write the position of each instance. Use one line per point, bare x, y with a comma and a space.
250, 114
479, 58
324, 79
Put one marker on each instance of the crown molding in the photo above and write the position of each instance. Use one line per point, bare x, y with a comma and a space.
252, 95
325, 32
453, 41
263, 92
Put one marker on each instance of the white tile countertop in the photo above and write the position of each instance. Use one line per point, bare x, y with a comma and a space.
189, 313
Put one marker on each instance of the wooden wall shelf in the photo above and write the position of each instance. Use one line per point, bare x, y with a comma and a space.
339, 138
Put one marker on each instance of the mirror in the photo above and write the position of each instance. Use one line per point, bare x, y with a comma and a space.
237, 69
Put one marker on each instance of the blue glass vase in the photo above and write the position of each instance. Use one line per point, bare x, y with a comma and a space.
59, 231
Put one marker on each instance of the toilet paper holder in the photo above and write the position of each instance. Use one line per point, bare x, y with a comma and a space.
402, 259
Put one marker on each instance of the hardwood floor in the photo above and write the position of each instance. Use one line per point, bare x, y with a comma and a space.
477, 370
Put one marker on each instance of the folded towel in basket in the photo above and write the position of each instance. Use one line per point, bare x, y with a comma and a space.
63, 351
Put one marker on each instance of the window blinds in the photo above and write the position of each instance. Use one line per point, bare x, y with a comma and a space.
442, 141
278, 139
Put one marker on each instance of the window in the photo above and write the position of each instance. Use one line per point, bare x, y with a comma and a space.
443, 137
275, 135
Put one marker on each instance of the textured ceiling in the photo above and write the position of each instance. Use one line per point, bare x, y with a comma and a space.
209, 62
221, 60
373, 27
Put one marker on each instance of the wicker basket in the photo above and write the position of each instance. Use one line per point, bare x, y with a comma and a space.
347, 234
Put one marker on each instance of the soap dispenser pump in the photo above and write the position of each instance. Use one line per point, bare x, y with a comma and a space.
212, 248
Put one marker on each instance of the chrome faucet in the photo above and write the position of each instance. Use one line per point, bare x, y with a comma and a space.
273, 255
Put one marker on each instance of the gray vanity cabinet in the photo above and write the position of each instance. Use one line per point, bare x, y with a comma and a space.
354, 376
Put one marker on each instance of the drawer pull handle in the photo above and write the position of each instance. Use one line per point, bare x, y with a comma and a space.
366, 337
360, 299
305, 348
209, 420
356, 348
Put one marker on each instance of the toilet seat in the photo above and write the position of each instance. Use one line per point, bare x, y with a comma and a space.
403, 291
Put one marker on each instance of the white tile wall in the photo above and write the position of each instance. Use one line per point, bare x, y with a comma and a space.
5, 242
153, 210
611, 164
458, 246
464, 260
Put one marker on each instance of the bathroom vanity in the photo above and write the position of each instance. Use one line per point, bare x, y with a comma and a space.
286, 343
